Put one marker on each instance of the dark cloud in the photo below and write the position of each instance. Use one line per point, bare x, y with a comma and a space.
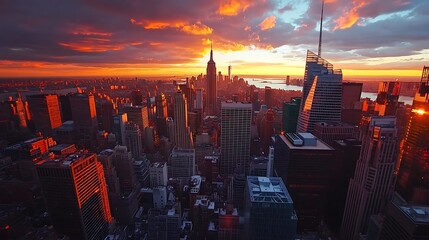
119, 32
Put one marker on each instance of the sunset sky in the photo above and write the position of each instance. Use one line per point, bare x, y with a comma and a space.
368, 39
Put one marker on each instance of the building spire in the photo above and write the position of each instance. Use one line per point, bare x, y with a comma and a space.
320, 32
211, 50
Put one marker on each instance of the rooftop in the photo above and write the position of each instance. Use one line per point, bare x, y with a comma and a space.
158, 165
231, 104
267, 190
60, 147
319, 145
64, 162
106, 152
419, 214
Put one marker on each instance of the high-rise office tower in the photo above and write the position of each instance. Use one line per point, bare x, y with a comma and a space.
133, 139
45, 112
413, 175
105, 115
374, 178
182, 133
124, 164
304, 163
84, 116
158, 174
123, 203
136, 98
161, 106
290, 114
229, 73
199, 98
138, 115
387, 98
110, 173
75, 193
236, 121
329, 132
14, 113
161, 115
321, 97
351, 108
270, 209
269, 98
211, 106
119, 127
182, 162
405, 221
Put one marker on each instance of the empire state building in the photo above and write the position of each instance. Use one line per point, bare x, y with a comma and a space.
211, 108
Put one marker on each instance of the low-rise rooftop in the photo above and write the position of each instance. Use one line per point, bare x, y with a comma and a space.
267, 190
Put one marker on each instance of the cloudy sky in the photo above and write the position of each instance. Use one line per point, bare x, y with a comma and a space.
366, 38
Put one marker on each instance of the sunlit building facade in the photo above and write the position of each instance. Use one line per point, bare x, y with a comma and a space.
75, 193
45, 112
321, 97
413, 175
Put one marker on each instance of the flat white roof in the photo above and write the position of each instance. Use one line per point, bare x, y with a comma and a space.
319, 145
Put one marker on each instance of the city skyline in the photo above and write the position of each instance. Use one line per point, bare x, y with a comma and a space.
368, 39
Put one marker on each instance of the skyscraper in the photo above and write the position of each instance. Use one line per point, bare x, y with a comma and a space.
374, 179
211, 108
182, 162
321, 97
270, 209
305, 163
124, 164
236, 120
290, 114
138, 115
45, 112
405, 221
76, 195
413, 176
269, 98
161, 115
119, 127
84, 116
182, 134
133, 139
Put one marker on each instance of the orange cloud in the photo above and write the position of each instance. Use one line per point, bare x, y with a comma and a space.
233, 7
87, 31
197, 29
93, 45
351, 16
268, 23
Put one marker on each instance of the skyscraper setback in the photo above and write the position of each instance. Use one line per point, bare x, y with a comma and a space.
373, 182
211, 106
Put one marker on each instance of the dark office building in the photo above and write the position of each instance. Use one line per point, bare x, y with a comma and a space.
304, 163
407, 222
270, 209
290, 114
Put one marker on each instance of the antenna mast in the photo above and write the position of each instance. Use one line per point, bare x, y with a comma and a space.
320, 32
